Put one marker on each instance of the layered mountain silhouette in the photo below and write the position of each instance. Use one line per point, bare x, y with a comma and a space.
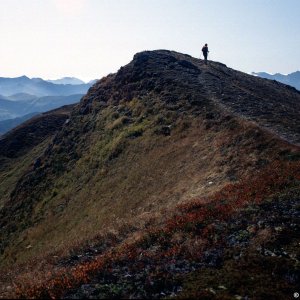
36, 104
13, 111
170, 177
67, 80
23, 96
39, 87
292, 79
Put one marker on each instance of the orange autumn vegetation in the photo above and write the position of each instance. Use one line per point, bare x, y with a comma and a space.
196, 219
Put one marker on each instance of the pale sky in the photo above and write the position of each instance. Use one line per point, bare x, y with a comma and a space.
89, 39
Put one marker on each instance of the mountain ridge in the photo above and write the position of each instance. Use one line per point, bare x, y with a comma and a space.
292, 79
17, 108
66, 80
163, 130
39, 87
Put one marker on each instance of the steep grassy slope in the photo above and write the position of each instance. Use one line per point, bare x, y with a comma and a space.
240, 242
163, 130
23, 145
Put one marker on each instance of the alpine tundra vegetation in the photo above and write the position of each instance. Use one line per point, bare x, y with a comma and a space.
170, 178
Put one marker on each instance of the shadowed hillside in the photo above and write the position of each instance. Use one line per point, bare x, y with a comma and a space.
20, 147
8, 124
166, 129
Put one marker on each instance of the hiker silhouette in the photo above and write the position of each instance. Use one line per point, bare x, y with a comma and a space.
205, 52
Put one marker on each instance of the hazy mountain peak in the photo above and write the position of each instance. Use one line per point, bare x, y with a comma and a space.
292, 79
40, 87
23, 77
67, 80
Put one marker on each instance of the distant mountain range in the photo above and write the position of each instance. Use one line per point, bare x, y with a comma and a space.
67, 80
292, 79
37, 104
22, 97
13, 113
40, 87
71, 80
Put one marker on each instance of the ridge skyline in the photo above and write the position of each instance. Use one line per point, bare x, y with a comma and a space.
279, 76
89, 79
50, 79
149, 161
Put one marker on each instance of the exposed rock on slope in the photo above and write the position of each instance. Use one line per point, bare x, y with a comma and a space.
269, 103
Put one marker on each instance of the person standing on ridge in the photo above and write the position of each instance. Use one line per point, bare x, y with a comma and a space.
205, 52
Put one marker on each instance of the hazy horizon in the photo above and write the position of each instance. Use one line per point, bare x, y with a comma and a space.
88, 80
89, 39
